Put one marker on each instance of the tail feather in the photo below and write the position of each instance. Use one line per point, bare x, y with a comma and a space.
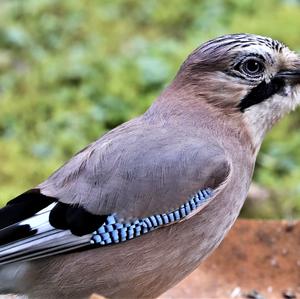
36, 238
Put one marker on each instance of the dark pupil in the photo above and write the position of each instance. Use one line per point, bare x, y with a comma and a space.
252, 66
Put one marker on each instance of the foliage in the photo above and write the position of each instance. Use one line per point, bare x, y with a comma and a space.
71, 70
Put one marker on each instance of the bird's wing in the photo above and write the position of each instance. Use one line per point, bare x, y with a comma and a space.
120, 187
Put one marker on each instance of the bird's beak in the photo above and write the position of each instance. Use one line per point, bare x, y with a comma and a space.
292, 75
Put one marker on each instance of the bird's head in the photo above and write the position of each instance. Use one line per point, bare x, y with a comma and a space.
244, 75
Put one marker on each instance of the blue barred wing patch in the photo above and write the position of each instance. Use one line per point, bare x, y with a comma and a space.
113, 232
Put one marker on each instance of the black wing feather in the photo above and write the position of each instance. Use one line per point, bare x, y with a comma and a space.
23, 207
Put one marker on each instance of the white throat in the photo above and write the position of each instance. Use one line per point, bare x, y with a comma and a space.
261, 117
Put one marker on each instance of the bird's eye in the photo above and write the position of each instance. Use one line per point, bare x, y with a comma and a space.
251, 66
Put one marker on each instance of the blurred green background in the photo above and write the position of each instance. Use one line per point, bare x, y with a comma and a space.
71, 70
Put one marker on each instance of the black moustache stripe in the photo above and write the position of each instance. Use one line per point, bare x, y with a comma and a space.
261, 92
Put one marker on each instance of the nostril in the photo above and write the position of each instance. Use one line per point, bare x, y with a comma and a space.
291, 75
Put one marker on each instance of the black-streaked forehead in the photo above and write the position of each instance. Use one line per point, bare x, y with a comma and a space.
221, 52
238, 41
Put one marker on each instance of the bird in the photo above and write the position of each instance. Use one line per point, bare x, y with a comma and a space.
137, 210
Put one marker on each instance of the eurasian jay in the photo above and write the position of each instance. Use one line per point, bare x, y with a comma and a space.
137, 210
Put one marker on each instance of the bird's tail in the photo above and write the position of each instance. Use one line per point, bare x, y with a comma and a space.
35, 238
